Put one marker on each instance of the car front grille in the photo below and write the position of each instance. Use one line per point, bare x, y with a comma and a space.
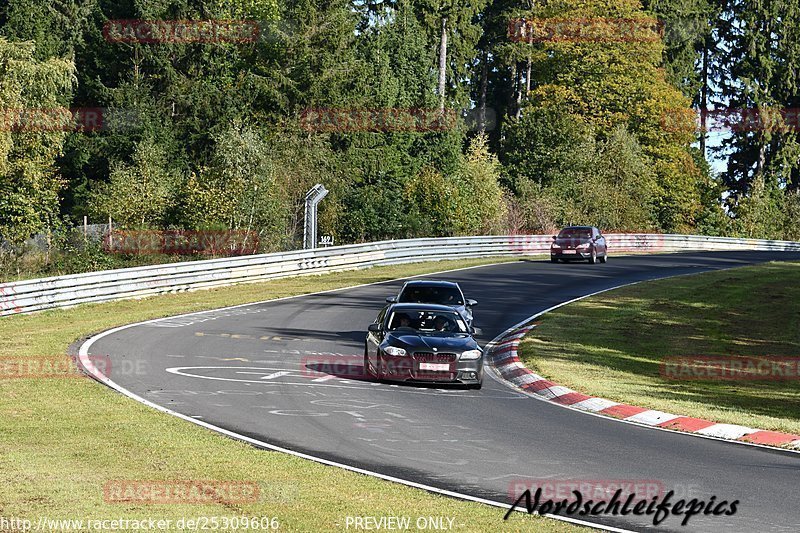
430, 357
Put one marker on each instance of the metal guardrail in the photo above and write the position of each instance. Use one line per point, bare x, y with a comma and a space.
66, 291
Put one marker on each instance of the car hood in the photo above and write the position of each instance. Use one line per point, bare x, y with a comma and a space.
459, 307
439, 343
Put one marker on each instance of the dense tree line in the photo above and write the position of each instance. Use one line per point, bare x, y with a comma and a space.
535, 133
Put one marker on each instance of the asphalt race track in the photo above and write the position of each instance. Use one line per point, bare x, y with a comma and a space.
260, 370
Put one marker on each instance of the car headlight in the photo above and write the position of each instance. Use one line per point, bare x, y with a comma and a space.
556, 246
471, 354
394, 351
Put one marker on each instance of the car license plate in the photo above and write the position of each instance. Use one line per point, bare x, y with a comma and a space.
436, 367
568, 251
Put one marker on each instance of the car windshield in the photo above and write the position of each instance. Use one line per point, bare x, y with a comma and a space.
575, 233
428, 322
431, 295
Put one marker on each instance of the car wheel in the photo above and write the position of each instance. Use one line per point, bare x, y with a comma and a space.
554, 260
604, 258
593, 257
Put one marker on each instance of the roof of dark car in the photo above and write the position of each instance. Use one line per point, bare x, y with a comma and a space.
577, 227
431, 283
429, 307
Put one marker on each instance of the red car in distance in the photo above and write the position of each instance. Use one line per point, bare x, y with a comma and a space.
579, 243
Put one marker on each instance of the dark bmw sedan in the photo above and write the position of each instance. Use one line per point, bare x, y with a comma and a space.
423, 343
579, 243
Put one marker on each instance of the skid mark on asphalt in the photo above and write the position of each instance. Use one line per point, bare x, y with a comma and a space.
385, 427
245, 336
343, 403
296, 412
204, 316
283, 352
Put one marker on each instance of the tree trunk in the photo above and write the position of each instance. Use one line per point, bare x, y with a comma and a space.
704, 97
528, 78
519, 95
513, 95
762, 155
484, 90
443, 64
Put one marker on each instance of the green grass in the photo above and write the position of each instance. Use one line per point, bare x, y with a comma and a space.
611, 345
62, 439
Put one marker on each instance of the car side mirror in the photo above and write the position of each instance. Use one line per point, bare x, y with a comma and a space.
472, 330
472, 303
391, 299
374, 328
555, 237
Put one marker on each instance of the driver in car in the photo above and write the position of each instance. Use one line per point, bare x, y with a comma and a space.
441, 324
402, 320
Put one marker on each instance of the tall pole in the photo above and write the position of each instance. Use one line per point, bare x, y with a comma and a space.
313, 197
443, 64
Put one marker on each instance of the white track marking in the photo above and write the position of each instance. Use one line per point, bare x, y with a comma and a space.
276, 375
339, 384
727, 431
554, 392
594, 404
530, 378
652, 417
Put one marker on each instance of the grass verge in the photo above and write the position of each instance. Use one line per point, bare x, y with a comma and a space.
62, 439
612, 345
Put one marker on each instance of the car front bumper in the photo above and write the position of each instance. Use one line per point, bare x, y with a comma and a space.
406, 368
578, 255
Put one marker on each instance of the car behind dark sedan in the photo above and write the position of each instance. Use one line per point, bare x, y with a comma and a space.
579, 243
423, 343
432, 291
